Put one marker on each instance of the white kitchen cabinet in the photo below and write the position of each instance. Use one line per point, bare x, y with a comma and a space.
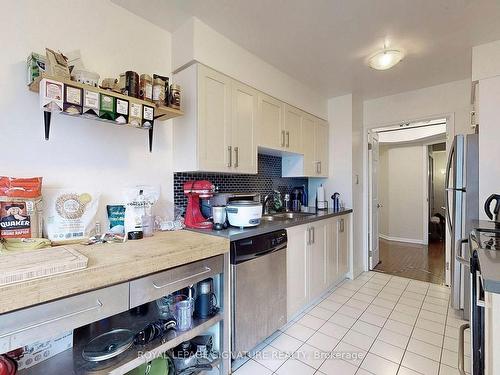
317, 258
332, 257
296, 259
309, 144
343, 228
216, 134
270, 125
292, 129
244, 111
321, 137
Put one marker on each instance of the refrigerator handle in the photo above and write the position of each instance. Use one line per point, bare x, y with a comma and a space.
461, 348
460, 256
446, 185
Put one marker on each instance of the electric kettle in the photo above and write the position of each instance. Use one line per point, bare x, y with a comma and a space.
495, 215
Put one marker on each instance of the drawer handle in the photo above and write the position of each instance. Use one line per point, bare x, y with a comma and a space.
206, 270
96, 307
461, 347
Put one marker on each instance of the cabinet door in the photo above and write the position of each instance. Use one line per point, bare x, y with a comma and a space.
214, 121
293, 129
321, 138
343, 244
244, 119
332, 258
317, 260
296, 260
270, 125
308, 145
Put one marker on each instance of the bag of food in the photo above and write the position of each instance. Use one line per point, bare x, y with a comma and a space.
69, 215
20, 207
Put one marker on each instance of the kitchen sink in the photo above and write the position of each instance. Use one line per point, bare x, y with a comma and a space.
285, 216
292, 215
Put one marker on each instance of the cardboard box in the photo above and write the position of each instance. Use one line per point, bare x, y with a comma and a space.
40, 351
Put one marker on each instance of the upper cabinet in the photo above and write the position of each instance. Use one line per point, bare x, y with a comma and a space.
292, 129
225, 121
270, 125
218, 132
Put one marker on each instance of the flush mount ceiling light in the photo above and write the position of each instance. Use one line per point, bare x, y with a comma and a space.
385, 59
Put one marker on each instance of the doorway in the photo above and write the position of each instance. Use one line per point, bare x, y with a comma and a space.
406, 229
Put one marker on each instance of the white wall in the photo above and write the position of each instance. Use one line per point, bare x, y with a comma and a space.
440, 161
486, 69
81, 153
402, 183
451, 98
195, 40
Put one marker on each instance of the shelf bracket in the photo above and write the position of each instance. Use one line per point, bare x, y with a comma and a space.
46, 121
151, 138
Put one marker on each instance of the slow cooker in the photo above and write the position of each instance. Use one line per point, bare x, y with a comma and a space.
244, 213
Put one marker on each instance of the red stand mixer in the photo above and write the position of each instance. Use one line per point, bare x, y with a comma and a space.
194, 190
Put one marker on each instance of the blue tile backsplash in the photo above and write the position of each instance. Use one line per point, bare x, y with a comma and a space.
266, 180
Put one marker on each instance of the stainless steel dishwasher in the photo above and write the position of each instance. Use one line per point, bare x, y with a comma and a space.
258, 288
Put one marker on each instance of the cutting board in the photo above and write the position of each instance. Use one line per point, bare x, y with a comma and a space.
28, 265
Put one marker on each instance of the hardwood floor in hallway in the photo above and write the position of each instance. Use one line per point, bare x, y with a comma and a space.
418, 262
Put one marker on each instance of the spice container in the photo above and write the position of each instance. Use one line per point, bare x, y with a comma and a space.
175, 96
121, 111
90, 103
135, 116
132, 84
35, 65
107, 107
160, 89
73, 100
147, 116
146, 87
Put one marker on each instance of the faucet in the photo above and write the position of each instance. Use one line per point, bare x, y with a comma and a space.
278, 204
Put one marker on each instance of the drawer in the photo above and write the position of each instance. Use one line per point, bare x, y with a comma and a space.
28, 325
155, 286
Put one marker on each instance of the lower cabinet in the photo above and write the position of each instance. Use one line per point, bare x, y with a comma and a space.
317, 257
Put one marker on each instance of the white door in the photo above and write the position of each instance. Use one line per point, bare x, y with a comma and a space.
296, 260
244, 119
317, 259
270, 125
374, 204
343, 225
292, 129
308, 145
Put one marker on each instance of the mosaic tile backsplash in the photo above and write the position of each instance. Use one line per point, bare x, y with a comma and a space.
266, 180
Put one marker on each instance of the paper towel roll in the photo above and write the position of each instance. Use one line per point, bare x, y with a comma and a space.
320, 196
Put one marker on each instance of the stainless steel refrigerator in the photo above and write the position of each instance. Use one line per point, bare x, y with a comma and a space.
462, 209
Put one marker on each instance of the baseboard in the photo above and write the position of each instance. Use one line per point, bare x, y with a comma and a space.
401, 239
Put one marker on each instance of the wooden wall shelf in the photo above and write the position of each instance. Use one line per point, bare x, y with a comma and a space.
161, 113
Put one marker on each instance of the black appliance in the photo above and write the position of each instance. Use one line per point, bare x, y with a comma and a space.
486, 236
205, 304
495, 215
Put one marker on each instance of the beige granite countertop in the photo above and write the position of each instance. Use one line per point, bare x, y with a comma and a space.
110, 264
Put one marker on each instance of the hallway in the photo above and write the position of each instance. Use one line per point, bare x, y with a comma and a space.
418, 262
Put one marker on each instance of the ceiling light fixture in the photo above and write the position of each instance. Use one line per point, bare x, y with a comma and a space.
385, 59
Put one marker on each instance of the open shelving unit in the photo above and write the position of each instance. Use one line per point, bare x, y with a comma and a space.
71, 362
161, 112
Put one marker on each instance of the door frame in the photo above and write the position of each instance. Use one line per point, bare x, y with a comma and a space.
450, 132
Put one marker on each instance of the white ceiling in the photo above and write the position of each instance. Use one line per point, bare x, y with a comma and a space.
325, 43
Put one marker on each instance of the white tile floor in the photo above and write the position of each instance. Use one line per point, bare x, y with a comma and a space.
376, 324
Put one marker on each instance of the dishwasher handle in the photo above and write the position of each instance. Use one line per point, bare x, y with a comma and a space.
248, 257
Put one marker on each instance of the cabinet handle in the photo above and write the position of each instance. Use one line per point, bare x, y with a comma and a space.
282, 138
341, 229
236, 157
287, 139
308, 236
230, 152
461, 345
205, 270
317, 167
313, 235
53, 320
